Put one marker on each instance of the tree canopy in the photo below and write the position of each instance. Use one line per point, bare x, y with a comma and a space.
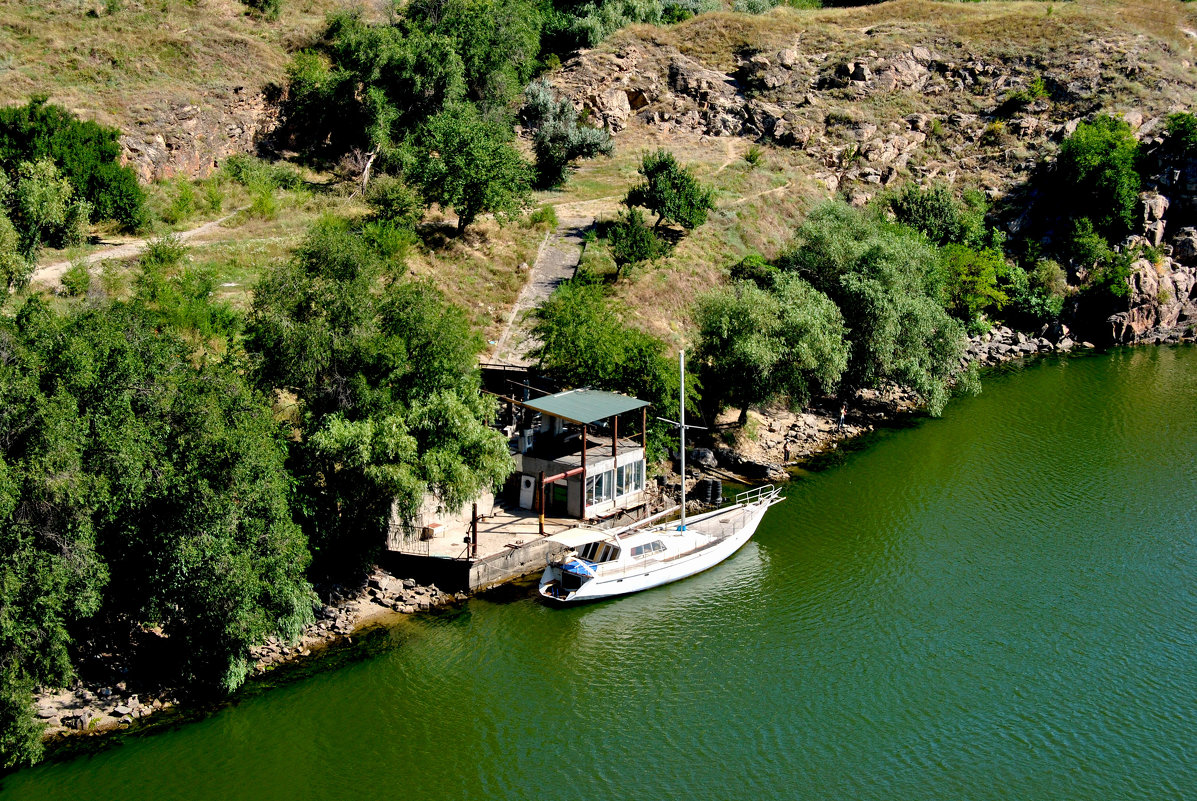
756, 345
135, 489
888, 283
671, 191
461, 160
385, 376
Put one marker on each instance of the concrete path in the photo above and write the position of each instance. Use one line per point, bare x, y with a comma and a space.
556, 261
50, 275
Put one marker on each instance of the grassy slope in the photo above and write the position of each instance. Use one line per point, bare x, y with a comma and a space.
659, 297
116, 67
138, 56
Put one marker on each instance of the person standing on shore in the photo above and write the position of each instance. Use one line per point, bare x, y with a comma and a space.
843, 415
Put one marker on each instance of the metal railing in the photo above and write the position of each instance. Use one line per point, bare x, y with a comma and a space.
756, 494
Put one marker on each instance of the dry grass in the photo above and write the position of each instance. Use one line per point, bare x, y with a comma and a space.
115, 67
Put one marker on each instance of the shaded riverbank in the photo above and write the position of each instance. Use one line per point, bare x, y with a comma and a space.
996, 603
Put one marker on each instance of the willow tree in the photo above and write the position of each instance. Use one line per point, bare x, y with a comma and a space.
385, 375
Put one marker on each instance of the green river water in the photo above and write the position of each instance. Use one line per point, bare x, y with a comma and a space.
1001, 603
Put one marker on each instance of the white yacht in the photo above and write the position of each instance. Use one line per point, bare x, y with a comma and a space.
599, 564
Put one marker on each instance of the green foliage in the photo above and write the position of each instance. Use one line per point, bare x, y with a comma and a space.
559, 139
632, 240
671, 192
1181, 141
972, 283
369, 85
757, 345
182, 203
755, 156
393, 201
15, 267
467, 162
938, 215
1096, 177
77, 280
386, 377
498, 42
756, 269
86, 153
253, 172
585, 344
267, 9
544, 217
163, 488
887, 282
43, 209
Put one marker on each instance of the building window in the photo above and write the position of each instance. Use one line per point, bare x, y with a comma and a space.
599, 487
629, 478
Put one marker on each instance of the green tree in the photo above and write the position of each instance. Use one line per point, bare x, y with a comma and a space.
559, 138
135, 489
15, 267
1096, 176
385, 374
463, 161
585, 344
938, 215
671, 192
757, 345
972, 283
86, 153
632, 240
887, 282
498, 41
43, 208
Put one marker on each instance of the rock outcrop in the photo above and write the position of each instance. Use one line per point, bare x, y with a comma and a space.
190, 140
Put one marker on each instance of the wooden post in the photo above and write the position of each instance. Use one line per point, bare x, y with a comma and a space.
644, 429
614, 436
474, 531
542, 503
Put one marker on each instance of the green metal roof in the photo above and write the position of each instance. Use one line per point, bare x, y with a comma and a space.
585, 405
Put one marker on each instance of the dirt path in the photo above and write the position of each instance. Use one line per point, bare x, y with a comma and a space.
50, 275
556, 261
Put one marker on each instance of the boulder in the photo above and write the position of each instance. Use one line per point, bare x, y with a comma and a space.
703, 457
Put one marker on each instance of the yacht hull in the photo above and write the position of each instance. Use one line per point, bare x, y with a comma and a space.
654, 573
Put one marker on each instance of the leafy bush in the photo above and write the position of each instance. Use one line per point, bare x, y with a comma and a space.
887, 282
755, 156
182, 203
164, 252
559, 139
462, 160
1182, 135
671, 192
972, 283
544, 217
86, 153
632, 240
253, 172
77, 280
757, 345
392, 200
1096, 176
756, 269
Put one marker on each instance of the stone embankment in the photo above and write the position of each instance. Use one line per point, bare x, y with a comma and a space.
125, 700
783, 439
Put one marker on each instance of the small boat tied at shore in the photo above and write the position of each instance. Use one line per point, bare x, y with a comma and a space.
600, 564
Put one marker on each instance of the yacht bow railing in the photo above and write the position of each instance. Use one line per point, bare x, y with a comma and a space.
755, 494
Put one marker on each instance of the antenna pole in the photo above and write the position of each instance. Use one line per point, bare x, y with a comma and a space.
681, 364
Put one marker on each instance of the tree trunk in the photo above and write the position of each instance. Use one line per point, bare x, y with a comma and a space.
744, 415
463, 220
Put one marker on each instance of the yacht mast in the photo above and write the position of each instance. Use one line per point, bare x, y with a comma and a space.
681, 366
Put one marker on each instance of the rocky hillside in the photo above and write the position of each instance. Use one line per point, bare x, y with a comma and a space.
185, 80
967, 94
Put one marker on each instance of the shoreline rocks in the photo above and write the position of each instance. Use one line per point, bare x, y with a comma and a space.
96, 708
